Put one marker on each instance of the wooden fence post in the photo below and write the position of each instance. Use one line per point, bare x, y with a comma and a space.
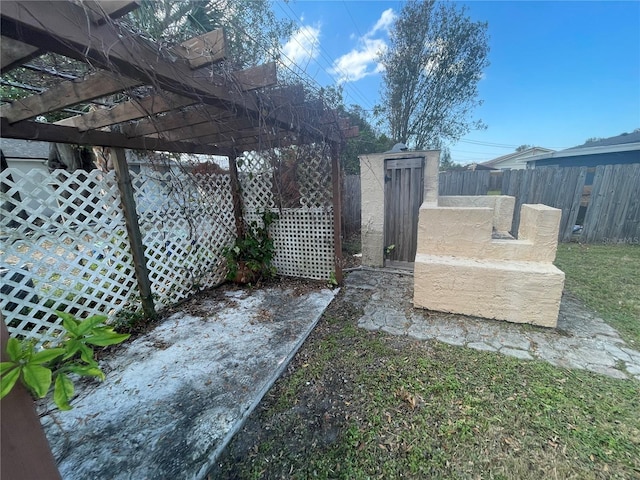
133, 231
337, 209
236, 195
24, 449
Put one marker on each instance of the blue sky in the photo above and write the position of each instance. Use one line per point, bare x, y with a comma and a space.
560, 72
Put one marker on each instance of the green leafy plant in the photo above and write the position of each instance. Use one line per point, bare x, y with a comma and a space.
389, 249
251, 255
39, 368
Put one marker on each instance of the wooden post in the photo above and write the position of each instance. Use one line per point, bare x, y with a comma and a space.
24, 449
337, 209
236, 195
133, 231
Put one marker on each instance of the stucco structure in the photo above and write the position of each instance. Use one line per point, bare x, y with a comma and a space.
466, 263
372, 174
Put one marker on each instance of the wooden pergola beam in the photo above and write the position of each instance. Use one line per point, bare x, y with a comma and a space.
202, 113
70, 92
204, 49
66, 32
15, 53
150, 105
207, 129
47, 132
179, 119
125, 111
99, 10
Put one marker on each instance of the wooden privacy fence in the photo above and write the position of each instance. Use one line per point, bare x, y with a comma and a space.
351, 205
605, 201
609, 196
464, 182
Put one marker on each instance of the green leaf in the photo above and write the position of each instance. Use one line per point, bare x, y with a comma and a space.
46, 355
14, 349
71, 326
63, 392
37, 378
87, 371
106, 336
8, 380
86, 354
91, 322
72, 347
6, 366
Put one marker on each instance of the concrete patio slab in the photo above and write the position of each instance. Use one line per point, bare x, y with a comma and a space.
174, 397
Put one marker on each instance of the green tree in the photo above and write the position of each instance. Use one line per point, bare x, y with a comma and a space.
433, 64
446, 162
368, 141
252, 31
523, 147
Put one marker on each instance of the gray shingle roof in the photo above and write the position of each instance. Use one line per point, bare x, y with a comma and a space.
632, 137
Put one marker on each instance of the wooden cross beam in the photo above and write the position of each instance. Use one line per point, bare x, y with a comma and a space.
66, 32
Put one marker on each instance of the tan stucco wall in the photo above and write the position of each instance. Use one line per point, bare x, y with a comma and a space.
502, 205
521, 292
460, 268
372, 195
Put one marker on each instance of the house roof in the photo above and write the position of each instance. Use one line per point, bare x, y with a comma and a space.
177, 99
580, 151
24, 149
529, 152
633, 137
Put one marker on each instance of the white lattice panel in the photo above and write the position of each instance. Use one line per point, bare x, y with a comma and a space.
255, 175
63, 248
303, 237
303, 240
314, 178
185, 220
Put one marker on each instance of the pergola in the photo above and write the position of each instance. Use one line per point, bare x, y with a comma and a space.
189, 106
176, 99
173, 99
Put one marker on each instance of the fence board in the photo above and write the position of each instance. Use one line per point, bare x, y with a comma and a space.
351, 205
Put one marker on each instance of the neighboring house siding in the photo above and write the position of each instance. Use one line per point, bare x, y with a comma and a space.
593, 160
515, 160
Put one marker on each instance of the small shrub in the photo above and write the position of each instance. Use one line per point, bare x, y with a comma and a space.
251, 255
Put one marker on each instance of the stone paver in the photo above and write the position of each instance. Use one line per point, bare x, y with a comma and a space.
582, 340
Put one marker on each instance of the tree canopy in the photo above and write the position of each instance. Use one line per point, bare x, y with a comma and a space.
252, 30
433, 64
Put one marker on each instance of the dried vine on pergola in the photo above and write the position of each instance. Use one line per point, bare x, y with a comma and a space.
182, 99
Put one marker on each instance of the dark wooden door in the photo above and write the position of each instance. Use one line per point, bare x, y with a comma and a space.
403, 193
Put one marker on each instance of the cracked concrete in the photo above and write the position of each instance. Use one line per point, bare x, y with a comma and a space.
581, 340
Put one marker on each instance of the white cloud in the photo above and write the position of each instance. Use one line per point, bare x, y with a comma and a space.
361, 61
384, 22
302, 47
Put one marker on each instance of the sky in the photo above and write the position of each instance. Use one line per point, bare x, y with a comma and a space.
560, 72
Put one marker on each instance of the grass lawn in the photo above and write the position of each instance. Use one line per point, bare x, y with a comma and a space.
607, 279
357, 405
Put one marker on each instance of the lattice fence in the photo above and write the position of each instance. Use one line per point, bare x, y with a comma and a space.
185, 220
298, 187
64, 247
